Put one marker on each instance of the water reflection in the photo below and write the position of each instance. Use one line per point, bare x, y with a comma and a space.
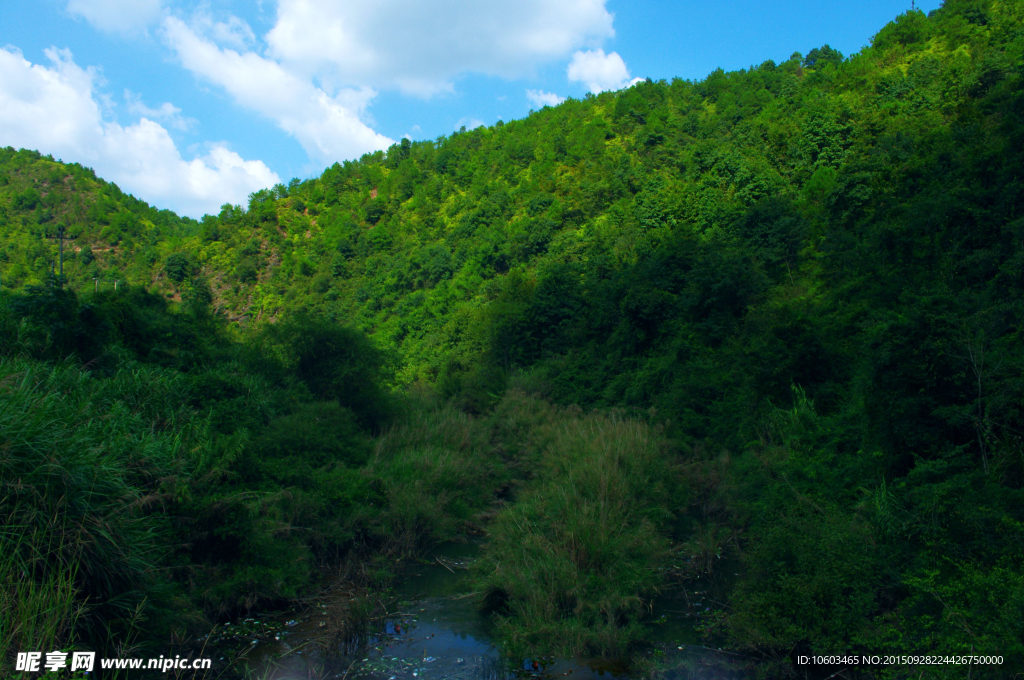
435, 631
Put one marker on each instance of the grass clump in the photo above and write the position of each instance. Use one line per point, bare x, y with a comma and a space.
571, 565
437, 470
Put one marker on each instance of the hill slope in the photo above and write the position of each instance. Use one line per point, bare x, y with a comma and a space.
788, 166
808, 273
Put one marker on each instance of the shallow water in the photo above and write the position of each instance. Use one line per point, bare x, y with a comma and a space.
438, 633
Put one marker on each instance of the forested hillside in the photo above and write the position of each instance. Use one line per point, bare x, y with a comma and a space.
793, 294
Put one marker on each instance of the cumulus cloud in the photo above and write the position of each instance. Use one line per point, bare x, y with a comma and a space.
117, 16
540, 98
599, 71
420, 47
327, 126
325, 60
55, 109
320, 66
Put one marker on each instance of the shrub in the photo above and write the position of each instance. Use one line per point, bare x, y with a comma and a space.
811, 580
178, 267
336, 364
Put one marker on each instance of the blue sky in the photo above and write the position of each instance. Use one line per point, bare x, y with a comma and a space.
191, 105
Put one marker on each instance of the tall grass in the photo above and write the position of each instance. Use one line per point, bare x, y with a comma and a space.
572, 564
36, 614
83, 464
438, 470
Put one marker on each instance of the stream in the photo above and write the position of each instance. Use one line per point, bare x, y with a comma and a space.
434, 631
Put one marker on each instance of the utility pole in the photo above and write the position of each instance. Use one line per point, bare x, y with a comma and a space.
96, 281
61, 237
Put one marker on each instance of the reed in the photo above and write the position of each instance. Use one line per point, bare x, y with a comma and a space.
39, 611
438, 471
573, 563
83, 465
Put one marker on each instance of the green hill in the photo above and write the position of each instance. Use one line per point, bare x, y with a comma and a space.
807, 277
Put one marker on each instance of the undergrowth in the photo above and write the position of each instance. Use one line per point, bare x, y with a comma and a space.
573, 563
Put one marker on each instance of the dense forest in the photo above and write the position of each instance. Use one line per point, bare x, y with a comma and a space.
770, 318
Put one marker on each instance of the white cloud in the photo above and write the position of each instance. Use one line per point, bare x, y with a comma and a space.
540, 98
233, 33
55, 110
324, 61
328, 127
117, 16
599, 71
166, 112
420, 47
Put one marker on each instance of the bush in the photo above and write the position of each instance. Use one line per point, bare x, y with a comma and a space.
178, 267
50, 323
811, 580
246, 271
335, 363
